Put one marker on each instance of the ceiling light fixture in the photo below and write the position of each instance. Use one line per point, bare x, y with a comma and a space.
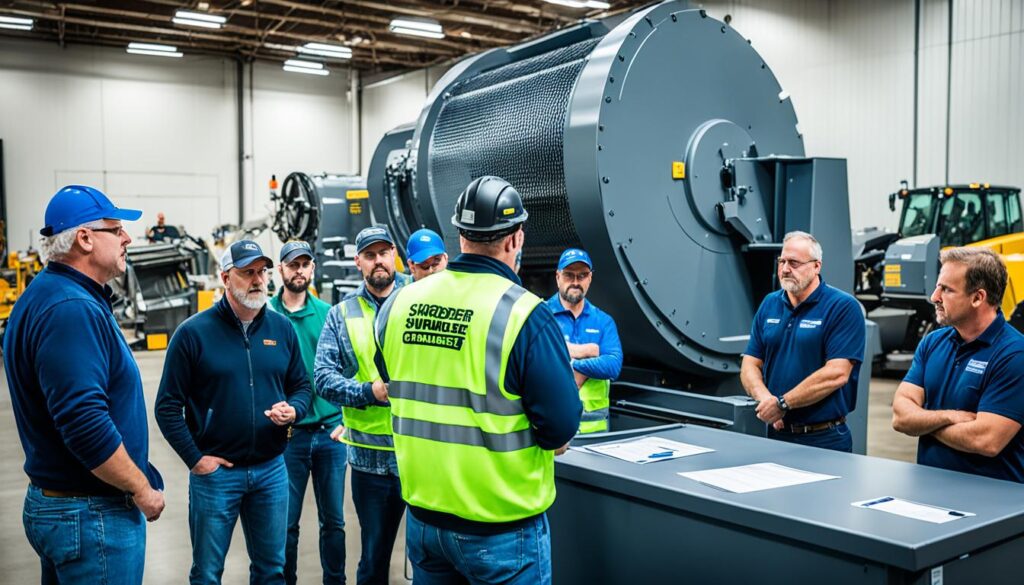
153, 49
198, 19
324, 50
594, 4
16, 23
426, 28
308, 67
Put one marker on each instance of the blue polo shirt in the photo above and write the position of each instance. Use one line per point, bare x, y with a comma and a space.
985, 375
794, 342
592, 326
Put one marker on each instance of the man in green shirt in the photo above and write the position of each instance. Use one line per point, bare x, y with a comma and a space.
311, 450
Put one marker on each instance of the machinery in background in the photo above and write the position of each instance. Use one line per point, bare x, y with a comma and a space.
326, 210
895, 273
679, 176
17, 271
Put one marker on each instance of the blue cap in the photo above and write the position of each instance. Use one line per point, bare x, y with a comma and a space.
75, 204
372, 235
572, 256
241, 254
423, 244
293, 250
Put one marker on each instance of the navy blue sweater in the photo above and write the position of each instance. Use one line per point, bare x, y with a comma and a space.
75, 388
538, 371
223, 379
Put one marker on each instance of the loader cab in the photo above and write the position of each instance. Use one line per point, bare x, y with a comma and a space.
959, 214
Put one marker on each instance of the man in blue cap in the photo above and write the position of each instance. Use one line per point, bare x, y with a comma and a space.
311, 450
77, 399
235, 371
591, 336
347, 376
425, 252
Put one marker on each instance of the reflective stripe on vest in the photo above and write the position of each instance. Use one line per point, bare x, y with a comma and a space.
368, 427
594, 396
464, 445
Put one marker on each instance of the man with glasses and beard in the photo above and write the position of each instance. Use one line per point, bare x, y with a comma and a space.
233, 381
77, 400
962, 395
347, 376
590, 335
806, 345
311, 448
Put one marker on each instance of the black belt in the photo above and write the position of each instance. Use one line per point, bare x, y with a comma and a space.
813, 428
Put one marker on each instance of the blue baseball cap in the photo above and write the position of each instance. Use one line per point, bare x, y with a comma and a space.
372, 235
423, 244
293, 250
572, 256
76, 204
241, 254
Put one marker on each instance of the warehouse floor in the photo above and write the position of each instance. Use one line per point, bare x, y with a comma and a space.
168, 554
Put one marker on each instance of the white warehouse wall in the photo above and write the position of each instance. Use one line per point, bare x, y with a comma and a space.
160, 134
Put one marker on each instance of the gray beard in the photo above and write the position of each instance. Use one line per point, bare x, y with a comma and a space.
572, 296
243, 298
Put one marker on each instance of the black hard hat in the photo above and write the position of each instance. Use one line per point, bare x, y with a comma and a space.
489, 204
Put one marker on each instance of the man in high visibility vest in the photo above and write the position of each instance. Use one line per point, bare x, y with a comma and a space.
482, 399
590, 335
345, 375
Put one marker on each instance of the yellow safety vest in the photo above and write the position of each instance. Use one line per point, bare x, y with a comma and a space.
368, 426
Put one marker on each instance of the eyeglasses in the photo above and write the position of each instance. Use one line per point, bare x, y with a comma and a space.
576, 277
430, 262
117, 231
793, 264
251, 273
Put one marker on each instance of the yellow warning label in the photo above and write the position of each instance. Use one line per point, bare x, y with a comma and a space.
678, 169
361, 194
893, 280
891, 268
508, 211
156, 341
355, 208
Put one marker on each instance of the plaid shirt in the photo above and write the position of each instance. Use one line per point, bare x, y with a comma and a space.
334, 371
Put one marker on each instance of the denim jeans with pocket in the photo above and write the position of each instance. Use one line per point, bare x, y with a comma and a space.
259, 494
95, 540
312, 452
518, 557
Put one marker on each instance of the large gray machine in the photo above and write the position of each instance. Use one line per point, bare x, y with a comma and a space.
662, 144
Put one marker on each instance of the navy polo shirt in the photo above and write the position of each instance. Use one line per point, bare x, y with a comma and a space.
985, 375
794, 342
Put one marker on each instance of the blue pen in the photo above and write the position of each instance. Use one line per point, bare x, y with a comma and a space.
878, 501
662, 454
955, 513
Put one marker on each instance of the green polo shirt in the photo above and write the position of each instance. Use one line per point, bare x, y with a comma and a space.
308, 322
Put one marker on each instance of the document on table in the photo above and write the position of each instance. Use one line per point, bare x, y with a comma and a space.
900, 507
647, 450
755, 477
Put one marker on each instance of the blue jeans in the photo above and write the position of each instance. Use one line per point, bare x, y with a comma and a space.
311, 450
379, 506
518, 557
837, 438
259, 493
96, 540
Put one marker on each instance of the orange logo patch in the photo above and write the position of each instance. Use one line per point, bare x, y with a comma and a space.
269, 342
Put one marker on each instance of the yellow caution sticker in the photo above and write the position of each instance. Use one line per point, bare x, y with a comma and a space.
678, 169
156, 341
893, 280
891, 268
508, 211
355, 208
361, 194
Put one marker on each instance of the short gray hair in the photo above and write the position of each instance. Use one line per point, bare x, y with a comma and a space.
798, 235
985, 270
56, 247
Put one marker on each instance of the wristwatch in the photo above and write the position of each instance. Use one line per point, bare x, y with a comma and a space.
782, 403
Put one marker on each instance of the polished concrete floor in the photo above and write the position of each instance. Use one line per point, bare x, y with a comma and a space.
168, 554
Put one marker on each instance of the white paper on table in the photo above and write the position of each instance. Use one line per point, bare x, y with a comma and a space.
755, 477
908, 509
648, 450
